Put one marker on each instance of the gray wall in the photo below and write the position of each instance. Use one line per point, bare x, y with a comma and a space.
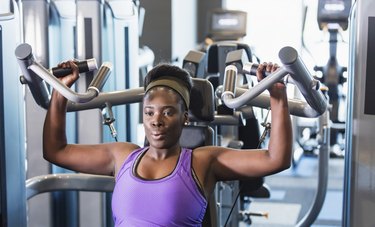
202, 8
173, 27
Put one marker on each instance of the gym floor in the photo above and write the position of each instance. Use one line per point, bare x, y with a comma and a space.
293, 191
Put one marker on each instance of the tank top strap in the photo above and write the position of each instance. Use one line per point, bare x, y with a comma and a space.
128, 163
186, 160
186, 165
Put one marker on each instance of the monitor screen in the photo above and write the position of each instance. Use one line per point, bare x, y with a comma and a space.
227, 24
334, 12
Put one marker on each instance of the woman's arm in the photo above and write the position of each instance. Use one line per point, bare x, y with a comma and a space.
94, 159
232, 164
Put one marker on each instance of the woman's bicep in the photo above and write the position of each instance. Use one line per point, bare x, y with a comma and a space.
92, 159
234, 164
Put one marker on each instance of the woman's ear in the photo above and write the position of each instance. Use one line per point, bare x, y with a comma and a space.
186, 116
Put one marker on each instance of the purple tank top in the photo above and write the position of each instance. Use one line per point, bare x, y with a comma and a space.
174, 200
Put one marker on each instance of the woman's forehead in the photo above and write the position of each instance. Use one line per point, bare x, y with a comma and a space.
161, 93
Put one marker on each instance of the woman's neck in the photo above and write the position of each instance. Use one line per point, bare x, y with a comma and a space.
161, 154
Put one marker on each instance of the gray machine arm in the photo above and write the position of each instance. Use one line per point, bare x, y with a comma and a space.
132, 95
36, 75
315, 104
75, 182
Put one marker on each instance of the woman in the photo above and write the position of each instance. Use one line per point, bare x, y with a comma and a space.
164, 184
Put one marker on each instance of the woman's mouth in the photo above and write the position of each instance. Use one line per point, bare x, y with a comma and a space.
158, 136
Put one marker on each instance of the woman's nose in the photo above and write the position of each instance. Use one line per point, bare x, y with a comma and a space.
157, 121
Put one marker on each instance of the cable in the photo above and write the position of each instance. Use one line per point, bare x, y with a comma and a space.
231, 210
267, 127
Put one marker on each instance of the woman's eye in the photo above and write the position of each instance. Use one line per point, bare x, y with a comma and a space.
167, 113
149, 113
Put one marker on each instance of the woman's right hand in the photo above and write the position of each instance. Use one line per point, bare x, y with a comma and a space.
277, 89
70, 79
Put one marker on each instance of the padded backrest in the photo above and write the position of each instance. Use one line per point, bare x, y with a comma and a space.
196, 136
202, 105
201, 109
216, 54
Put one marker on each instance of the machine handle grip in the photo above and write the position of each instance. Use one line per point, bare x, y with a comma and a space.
251, 69
83, 66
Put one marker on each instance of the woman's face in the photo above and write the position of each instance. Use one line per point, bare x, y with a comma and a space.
163, 117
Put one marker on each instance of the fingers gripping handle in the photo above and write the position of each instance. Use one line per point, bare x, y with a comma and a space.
251, 68
83, 66
236, 102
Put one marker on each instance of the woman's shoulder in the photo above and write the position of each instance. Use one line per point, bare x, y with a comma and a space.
121, 150
207, 150
208, 154
124, 147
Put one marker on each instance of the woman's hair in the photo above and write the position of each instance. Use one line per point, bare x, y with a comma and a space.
168, 70
170, 76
